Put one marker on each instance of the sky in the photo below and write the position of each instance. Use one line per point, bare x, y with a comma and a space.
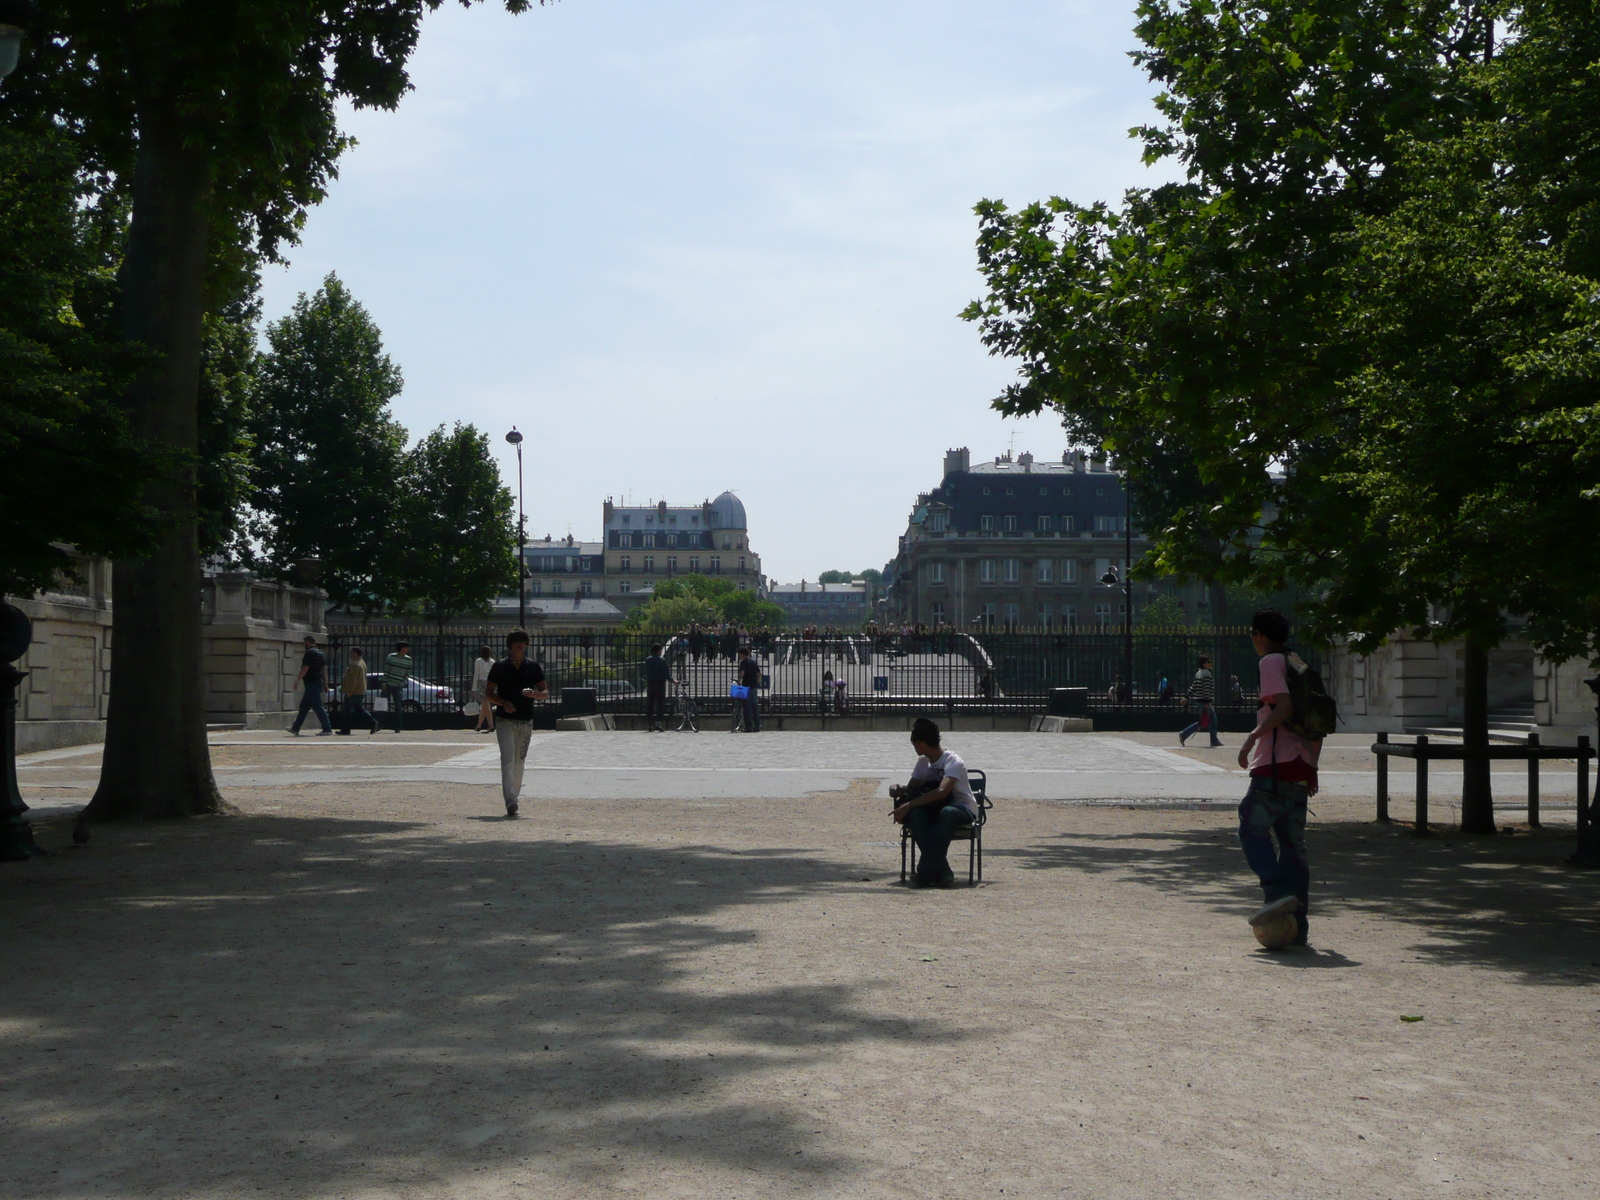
721, 244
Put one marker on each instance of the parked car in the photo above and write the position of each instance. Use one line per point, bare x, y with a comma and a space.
611, 689
418, 694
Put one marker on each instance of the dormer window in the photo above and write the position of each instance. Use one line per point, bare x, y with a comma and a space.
985, 492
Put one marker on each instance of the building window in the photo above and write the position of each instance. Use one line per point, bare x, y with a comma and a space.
938, 522
624, 587
1010, 523
1044, 491
716, 564
986, 570
1099, 491
1069, 570
1042, 571
1069, 524
987, 615
672, 564
741, 564
649, 564
586, 587
938, 614
1041, 524
555, 587
649, 541
1011, 570
1102, 614
1045, 616
937, 574
1013, 615
626, 564
1069, 617
694, 563
626, 518
625, 540
986, 523
1106, 525
535, 587
985, 489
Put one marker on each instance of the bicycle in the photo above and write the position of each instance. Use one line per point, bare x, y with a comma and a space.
683, 707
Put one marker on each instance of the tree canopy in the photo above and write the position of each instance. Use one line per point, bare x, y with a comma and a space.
701, 599
1352, 349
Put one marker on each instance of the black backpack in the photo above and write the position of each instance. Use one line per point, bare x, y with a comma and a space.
1315, 713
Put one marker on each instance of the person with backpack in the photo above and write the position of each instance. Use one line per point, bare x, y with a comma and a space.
1202, 692
1281, 754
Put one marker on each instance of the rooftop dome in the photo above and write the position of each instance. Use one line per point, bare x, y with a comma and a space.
727, 512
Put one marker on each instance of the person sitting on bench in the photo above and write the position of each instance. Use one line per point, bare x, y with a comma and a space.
936, 803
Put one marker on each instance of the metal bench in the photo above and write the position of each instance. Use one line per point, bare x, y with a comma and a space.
971, 834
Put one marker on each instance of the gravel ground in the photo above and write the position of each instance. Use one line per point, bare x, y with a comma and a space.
386, 989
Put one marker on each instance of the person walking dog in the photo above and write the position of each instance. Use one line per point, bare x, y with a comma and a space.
354, 688
514, 683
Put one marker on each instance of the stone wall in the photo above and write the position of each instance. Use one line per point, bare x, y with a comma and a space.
1560, 697
254, 631
1408, 683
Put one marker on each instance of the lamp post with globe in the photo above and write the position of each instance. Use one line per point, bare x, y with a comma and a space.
515, 439
17, 17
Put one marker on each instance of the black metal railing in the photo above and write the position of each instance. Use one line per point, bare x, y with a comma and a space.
946, 670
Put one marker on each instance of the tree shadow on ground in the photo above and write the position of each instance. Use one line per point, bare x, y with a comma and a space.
1499, 902
364, 1003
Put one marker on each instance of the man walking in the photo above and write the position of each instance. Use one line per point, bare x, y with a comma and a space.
396, 674
1283, 777
656, 675
750, 680
314, 674
515, 682
1203, 691
354, 687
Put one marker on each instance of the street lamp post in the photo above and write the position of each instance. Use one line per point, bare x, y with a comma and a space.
515, 439
16, 834
1111, 579
1588, 854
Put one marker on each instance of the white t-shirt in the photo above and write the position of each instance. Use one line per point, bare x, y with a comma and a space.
947, 766
480, 673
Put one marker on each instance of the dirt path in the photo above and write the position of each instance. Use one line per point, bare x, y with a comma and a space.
378, 990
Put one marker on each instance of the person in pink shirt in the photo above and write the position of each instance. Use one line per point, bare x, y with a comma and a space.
1283, 778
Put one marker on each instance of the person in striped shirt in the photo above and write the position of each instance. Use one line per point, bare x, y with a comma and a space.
396, 674
1203, 691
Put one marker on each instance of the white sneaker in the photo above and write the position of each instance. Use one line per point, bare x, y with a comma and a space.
1285, 904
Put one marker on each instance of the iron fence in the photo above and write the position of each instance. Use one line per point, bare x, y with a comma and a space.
850, 673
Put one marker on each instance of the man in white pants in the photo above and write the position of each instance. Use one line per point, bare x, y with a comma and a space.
514, 683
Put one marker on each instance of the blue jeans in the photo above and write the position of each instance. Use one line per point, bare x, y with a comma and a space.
1275, 811
311, 701
393, 696
931, 828
1209, 715
752, 713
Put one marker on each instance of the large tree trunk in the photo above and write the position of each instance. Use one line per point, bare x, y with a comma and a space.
157, 763
1477, 796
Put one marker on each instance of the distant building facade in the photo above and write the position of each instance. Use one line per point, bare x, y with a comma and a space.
1020, 544
844, 605
649, 544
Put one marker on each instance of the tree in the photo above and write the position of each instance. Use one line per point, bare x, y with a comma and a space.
71, 469
217, 118
1163, 612
228, 365
329, 459
1334, 357
701, 599
836, 577
458, 536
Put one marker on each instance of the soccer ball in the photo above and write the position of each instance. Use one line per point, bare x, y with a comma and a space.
1277, 932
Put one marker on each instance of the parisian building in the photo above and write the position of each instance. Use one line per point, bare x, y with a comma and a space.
648, 544
842, 605
1020, 544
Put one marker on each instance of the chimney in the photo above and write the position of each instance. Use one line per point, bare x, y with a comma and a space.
661, 511
608, 513
1097, 461
957, 461
1026, 459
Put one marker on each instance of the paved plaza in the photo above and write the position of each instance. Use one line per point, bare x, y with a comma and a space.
690, 970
